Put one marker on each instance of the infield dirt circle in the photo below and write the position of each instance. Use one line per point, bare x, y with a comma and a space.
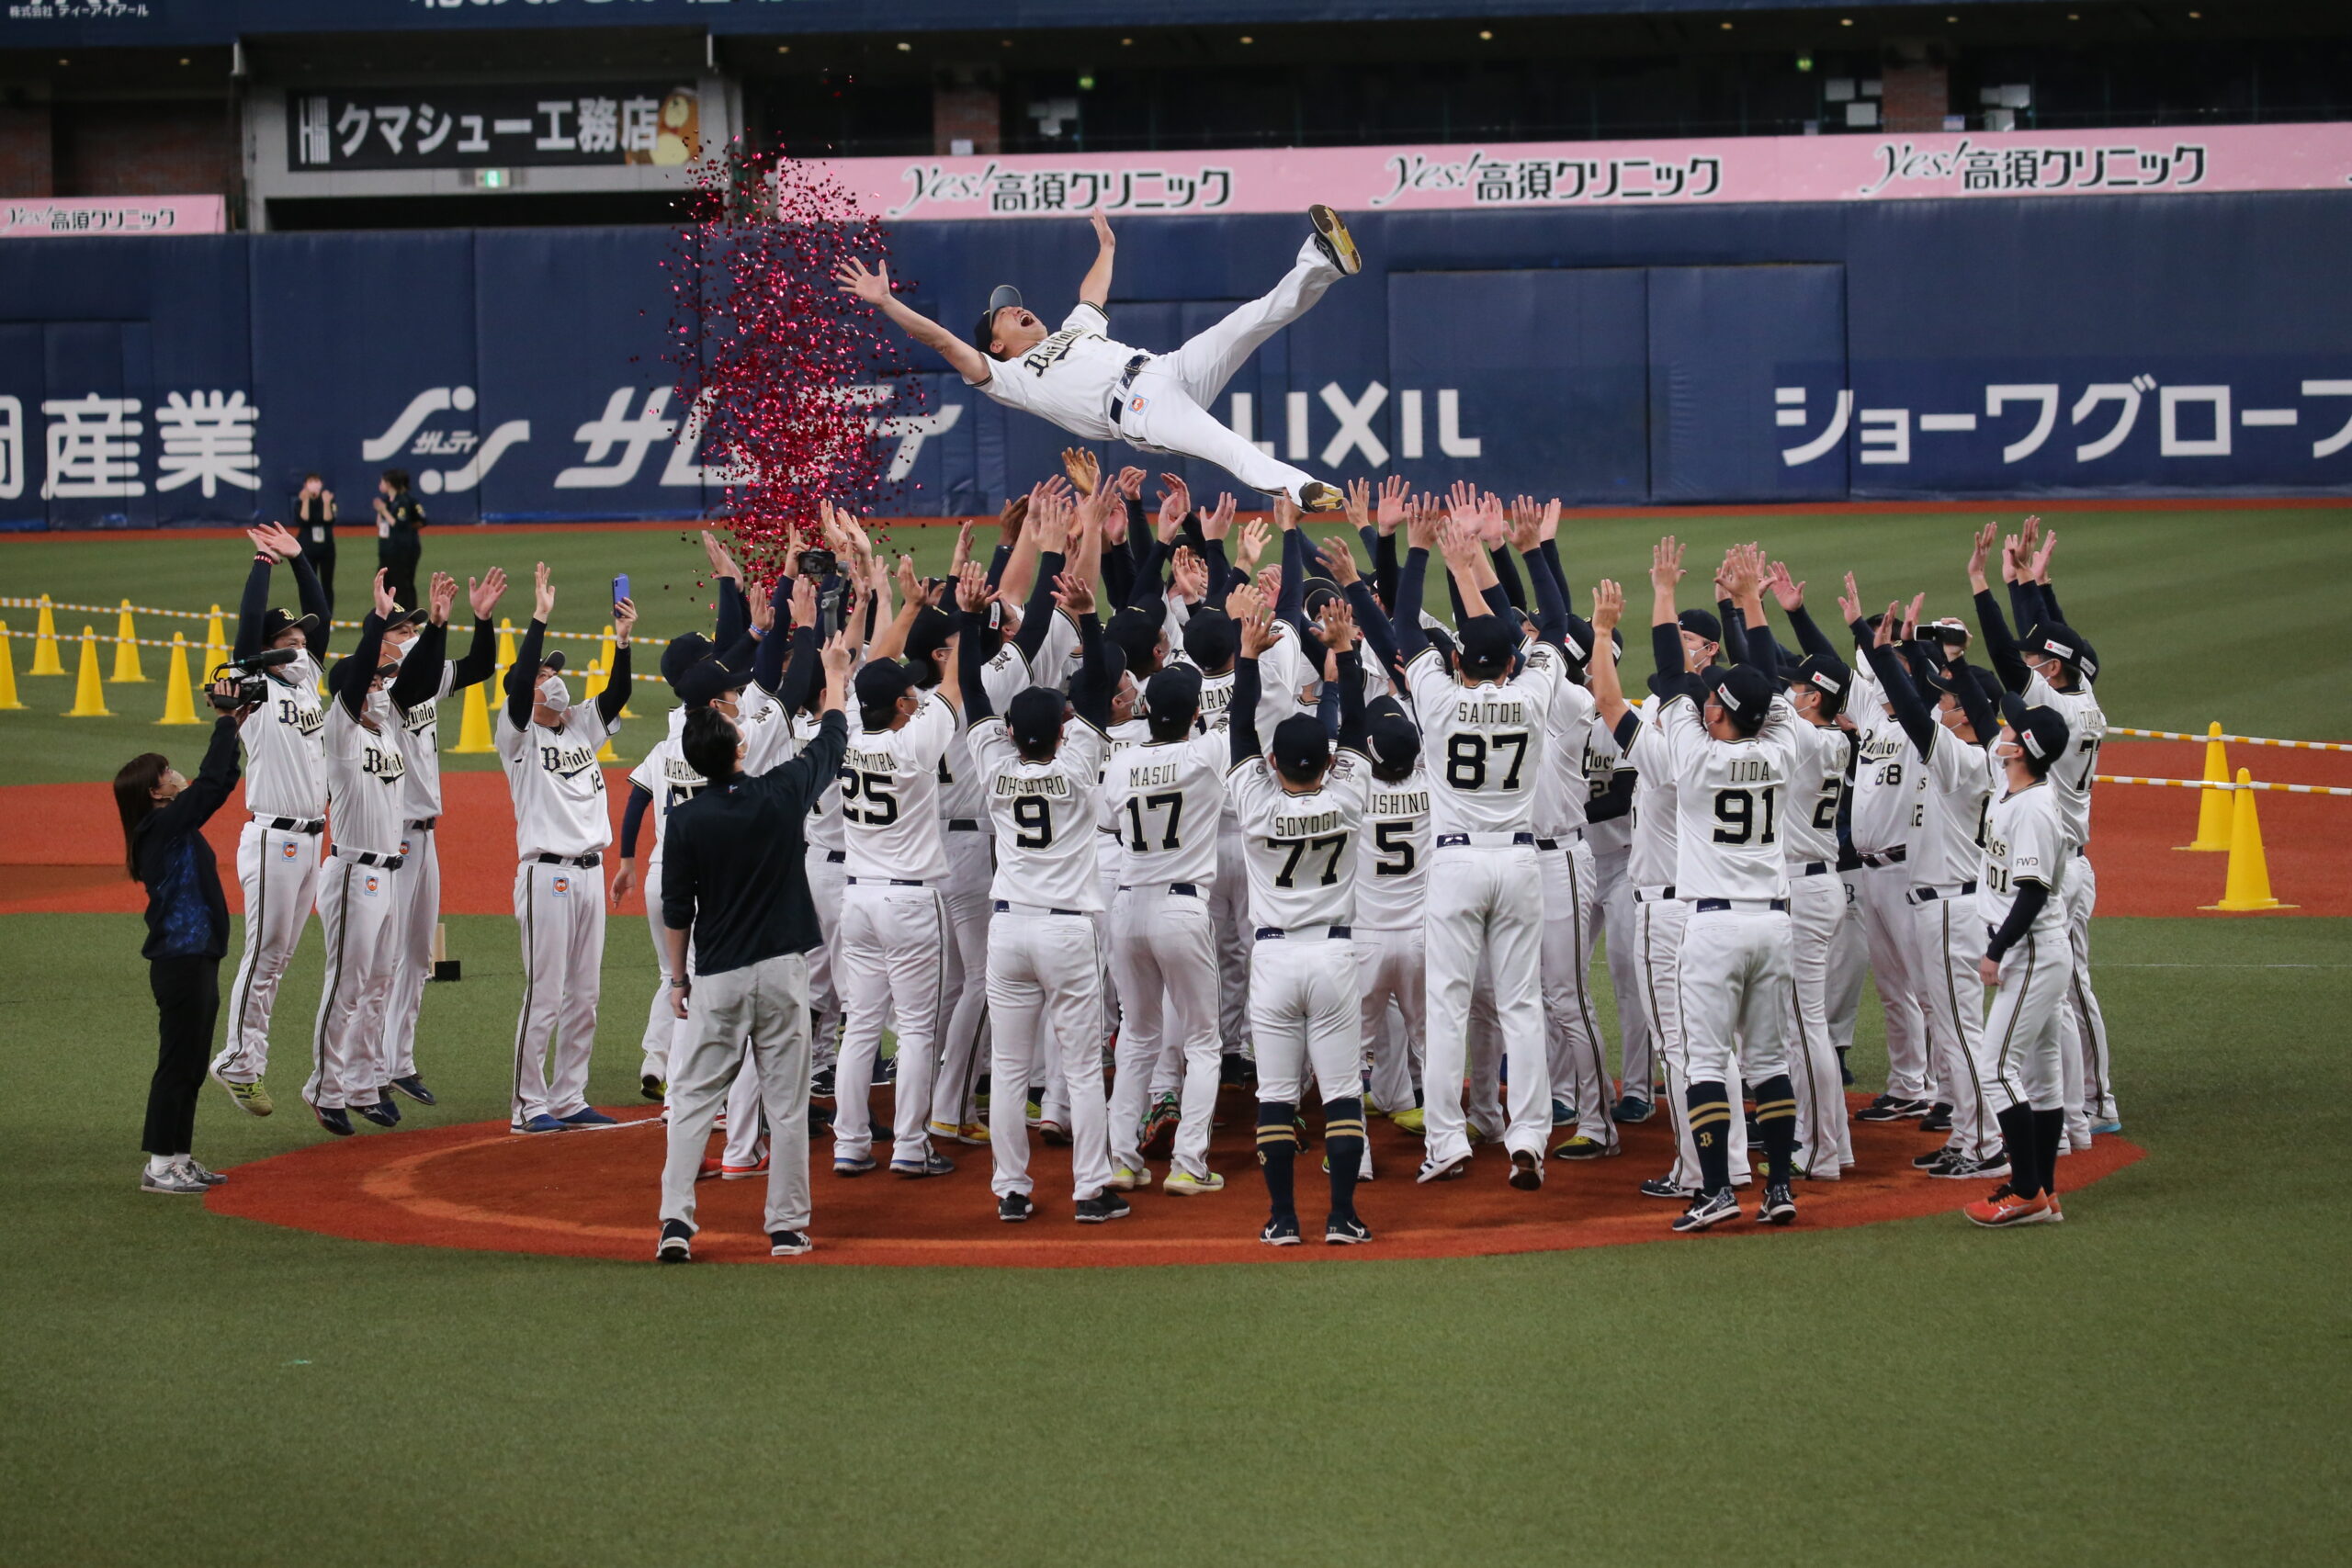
596, 1194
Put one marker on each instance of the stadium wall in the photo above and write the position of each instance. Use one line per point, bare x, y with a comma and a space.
2193, 344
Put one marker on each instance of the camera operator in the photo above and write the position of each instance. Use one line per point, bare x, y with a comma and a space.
277, 855
163, 815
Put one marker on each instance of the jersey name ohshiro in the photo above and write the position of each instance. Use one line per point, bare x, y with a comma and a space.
1008, 785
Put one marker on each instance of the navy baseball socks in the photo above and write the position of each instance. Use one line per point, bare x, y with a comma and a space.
1277, 1153
1776, 1118
2025, 1154
1343, 1151
1709, 1106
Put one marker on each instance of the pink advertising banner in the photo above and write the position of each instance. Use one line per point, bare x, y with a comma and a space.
72, 215
1842, 168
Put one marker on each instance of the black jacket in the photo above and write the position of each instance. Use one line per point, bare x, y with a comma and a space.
732, 865
187, 917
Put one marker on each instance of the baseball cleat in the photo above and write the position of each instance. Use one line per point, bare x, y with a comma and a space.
382, 1113
1316, 496
1938, 1120
1632, 1110
2056, 1213
1332, 237
414, 1086
210, 1178
933, 1164
587, 1116
789, 1244
1453, 1169
886, 1070
1962, 1168
1183, 1184
711, 1170
855, 1165
1053, 1135
1779, 1205
973, 1133
1232, 1070
938, 1129
1934, 1157
1667, 1187
253, 1098
649, 1085
333, 1120
1891, 1107
1562, 1113
176, 1179
2105, 1129
1345, 1230
1014, 1207
1582, 1148
1099, 1209
1526, 1170
1035, 1111
539, 1124
677, 1243
1159, 1126
744, 1172
1410, 1122
1127, 1179
820, 1084
1707, 1212
719, 1122
1280, 1231
2002, 1207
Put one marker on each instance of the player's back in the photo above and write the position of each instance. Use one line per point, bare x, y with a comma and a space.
1947, 845
1301, 850
1730, 800
1163, 799
1484, 745
824, 826
1393, 868
1816, 788
2075, 771
2025, 841
891, 797
1043, 814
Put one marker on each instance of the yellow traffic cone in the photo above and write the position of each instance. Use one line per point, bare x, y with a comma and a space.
2213, 811
45, 659
126, 651
7, 670
179, 698
89, 697
216, 644
588, 694
473, 735
2248, 886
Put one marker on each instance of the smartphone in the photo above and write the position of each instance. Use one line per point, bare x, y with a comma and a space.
620, 589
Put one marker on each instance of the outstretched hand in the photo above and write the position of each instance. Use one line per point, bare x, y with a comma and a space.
1788, 594
485, 595
542, 592
1666, 564
1608, 609
1849, 604
874, 286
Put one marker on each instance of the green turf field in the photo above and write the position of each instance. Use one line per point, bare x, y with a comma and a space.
2168, 597
2160, 1379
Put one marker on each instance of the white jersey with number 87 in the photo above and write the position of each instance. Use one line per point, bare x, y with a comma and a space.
1483, 745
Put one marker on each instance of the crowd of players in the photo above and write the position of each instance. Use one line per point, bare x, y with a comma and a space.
1124, 795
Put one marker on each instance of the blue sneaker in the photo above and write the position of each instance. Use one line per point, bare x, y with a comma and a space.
1563, 1115
855, 1165
414, 1086
587, 1116
1632, 1107
537, 1124
333, 1120
2106, 1129
383, 1112
929, 1165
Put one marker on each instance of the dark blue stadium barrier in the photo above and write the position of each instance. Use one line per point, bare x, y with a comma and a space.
2092, 346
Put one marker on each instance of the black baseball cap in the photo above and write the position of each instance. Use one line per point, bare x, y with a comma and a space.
1319, 593
552, 661
709, 681
1577, 643
1034, 718
1487, 642
1211, 640
1173, 691
275, 623
1703, 623
1301, 748
1135, 634
2041, 731
1828, 675
1000, 298
2056, 639
347, 670
1392, 743
930, 633
400, 618
1744, 690
681, 653
882, 683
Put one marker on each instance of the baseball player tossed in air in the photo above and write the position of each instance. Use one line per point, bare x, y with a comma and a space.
286, 790
1731, 761
1302, 808
548, 748
420, 740
1038, 775
1100, 390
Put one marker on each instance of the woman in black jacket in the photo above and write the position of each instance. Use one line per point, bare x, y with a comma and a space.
187, 931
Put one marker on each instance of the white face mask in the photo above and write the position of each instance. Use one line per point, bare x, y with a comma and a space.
555, 696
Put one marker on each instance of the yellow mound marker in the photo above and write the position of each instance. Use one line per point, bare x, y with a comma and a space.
126, 651
2249, 887
45, 659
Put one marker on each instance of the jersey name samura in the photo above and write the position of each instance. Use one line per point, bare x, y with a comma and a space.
1044, 815
1301, 850
285, 766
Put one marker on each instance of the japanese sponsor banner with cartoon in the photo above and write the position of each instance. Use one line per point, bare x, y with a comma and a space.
535, 125
1684, 354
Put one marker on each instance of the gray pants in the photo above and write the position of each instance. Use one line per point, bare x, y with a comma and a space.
766, 1003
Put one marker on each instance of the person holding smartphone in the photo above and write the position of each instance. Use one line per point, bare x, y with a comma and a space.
163, 814
314, 521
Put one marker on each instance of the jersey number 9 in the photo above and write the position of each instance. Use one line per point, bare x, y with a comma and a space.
1034, 819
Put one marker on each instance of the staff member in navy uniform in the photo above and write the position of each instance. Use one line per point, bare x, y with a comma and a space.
400, 542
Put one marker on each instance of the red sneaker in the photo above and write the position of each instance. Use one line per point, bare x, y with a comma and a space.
709, 1171
742, 1172
2004, 1207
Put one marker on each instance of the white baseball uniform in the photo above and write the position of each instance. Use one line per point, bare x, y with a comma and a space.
1886, 799
359, 905
1045, 972
2073, 777
1817, 918
419, 882
562, 831
1485, 746
1392, 966
1946, 851
1611, 843
2026, 840
668, 782
277, 853
827, 880
971, 868
1580, 1071
890, 957
1166, 800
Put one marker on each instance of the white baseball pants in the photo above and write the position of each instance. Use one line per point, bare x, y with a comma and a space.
1485, 903
420, 911
1659, 926
359, 914
747, 1025
1638, 1066
1892, 935
2097, 1098
970, 867
1392, 968
1229, 907
280, 875
1951, 938
1736, 994
1163, 950
826, 878
2024, 1022
891, 959
1849, 960
1044, 980
1304, 1015
665, 1032
1816, 920
561, 911
1580, 1071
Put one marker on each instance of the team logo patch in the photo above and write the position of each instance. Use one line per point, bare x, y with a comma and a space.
563, 887
287, 849
404, 848
1135, 405
370, 884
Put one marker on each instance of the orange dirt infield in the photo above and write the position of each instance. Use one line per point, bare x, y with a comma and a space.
596, 1195
60, 843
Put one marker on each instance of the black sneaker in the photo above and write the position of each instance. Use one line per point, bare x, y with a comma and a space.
1667, 1187
1707, 1212
1891, 1107
1933, 1157
333, 1120
1526, 1170
1280, 1231
1345, 1230
1232, 1070
648, 1087
1332, 237
1960, 1168
1938, 1120
414, 1086
821, 1086
788, 1244
1099, 1209
677, 1243
1845, 1073
931, 1164
382, 1113
1780, 1207
1014, 1207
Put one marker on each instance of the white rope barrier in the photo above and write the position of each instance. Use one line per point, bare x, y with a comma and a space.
2212, 784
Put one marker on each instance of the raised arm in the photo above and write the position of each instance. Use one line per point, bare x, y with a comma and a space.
419, 680
1048, 523
1094, 288
254, 604
2000, 648
1790, 595
1256, 626
1744, 573
1090, 690
314, 600
971, 606
873, 287
216, 776
1370, 619
1421, 532
523, 675
480, 661
368, 654
1894, 678
1339, 632
615, 696
1607, 692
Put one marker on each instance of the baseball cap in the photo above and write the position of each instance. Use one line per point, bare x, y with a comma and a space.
1319, 593
708, 679
681, 653
882, 683
1034, 718
552, 661
2041, 731
1487, 642
1211, 640
344, 672
2057, 640
1828, 675
1703, 623
1175, 690
930, 633
1135, 633
1003, 295
400, 618
1301, 748
1578, 640
1392, 743
275, 623
1744, 690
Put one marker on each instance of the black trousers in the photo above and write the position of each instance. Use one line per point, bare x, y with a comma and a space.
322, 560
400, 575
188, 1002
